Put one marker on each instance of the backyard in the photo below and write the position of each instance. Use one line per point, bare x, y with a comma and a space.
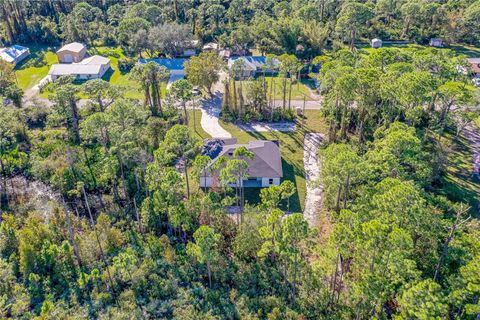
31, 70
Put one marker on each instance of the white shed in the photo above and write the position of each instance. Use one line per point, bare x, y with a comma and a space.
376, 43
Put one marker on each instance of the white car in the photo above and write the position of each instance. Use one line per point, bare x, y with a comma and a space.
476, 81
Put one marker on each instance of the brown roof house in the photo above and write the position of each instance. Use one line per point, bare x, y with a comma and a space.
72, 52
474, 65
265, 169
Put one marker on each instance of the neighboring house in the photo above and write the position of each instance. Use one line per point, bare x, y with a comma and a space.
191, 49
437, 43
210, 47
474, 66
225, 53
93, 67
376, 43
72, 52
253, 65
175, 66
265, 168
14, 54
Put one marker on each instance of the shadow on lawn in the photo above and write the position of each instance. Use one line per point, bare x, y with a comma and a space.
36, 58
459, 184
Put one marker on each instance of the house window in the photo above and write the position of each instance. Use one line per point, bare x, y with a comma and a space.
270, 181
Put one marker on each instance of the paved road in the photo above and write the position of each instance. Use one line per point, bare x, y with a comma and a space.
309, 105
311, 162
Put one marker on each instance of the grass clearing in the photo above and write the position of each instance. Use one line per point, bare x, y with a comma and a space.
35, 67
459, 184
198, 130
291, 148
300, 89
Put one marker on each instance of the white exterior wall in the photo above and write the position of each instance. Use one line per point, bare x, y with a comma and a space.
207, 182
276, 182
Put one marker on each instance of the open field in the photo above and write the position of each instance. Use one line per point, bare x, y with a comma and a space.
459, 183
35, 67
291, 148
300, 89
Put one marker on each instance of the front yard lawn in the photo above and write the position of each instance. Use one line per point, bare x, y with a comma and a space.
300, 89
291, 148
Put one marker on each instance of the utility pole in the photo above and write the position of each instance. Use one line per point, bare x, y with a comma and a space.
303, 113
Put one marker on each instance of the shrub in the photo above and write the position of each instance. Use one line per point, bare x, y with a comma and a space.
125, 64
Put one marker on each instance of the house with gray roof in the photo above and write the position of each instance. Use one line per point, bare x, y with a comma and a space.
265, 168
253, 65
93, 67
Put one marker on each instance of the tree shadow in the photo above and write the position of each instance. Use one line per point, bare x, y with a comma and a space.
35, 59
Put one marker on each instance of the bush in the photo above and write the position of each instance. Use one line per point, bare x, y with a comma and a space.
125, 64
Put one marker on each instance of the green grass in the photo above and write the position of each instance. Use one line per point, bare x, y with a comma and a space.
469, 51
115, 76
291, 148
300, 89
459, 184
198, 127
31, 70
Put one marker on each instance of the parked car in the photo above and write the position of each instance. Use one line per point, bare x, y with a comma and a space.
476, 81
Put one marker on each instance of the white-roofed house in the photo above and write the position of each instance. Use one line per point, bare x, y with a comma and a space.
93, 67
376, 43
210, 47
14, 54
72, 52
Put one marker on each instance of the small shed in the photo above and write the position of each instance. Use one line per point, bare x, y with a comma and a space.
210, 47
376, 43
437, 43
72, 52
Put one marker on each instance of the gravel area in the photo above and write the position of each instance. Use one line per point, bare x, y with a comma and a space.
314, 197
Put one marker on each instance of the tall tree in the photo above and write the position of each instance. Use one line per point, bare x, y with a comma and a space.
206, 248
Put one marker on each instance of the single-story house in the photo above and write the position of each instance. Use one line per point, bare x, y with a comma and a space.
225, 53
175, 66
14, 54
376, 43
474, 65
190, 48
210, 47
264, 169
72, 52
253, 65
437, 43
93, 67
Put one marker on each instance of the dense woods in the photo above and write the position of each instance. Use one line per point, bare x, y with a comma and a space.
120, 228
